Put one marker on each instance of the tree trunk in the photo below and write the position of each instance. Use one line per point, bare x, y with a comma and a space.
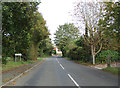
34, 52
93, 53
63, 53
93, 58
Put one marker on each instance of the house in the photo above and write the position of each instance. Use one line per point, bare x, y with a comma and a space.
58, 51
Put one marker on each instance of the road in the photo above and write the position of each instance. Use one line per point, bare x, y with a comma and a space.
57, 71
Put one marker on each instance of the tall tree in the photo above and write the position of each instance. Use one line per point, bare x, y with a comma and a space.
16, 26
111, 22
23, 28
64, 35
39, 32
45, 47
91, 13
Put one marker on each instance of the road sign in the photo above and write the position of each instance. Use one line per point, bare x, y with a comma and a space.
19, 54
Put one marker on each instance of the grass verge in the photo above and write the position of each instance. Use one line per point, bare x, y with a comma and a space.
11, 64
115, 71
45, 56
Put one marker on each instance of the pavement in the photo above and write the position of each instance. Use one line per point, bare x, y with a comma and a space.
57, 71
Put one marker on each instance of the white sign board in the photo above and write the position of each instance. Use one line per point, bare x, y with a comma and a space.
18, 54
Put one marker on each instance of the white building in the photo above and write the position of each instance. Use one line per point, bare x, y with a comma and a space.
58, 51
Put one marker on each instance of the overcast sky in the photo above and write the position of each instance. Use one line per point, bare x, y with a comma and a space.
56, 12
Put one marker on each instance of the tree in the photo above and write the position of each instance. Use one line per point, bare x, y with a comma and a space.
90, 13
111, 22
80, 52
108, 56
64, 35
16, 27
46, 47
23, 29
39, 32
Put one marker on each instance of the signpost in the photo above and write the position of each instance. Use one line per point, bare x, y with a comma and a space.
18, 55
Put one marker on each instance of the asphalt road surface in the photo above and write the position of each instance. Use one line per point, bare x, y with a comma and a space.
57, 71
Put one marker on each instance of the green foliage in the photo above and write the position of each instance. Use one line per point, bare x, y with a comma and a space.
39, 34
102, 57
33, 53
80, 54
26, 62
16, 27
39, 30
23, 29
54, 52
4, 60
12, 64
111, 24
84, 51
45, 47
64, 35
80, 42
112, 70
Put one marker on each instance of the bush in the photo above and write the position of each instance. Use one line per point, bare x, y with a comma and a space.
102, 57
112, 70
4, 60
79, 53
54, 51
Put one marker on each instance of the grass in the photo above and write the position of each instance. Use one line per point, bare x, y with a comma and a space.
115, 71
83, 63
67, 58
40, 58
11, 64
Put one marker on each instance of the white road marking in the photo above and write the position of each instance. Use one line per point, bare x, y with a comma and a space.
57, 60
62, 66
19, 75
73, 81
12, 80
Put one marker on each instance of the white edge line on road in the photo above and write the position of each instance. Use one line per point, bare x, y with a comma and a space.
62, 66
73, 81
11, 80
19, 75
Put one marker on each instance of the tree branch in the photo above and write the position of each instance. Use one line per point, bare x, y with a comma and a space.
98, 41
86, 39
99, 49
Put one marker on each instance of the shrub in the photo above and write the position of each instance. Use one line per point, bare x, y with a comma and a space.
79, 53
54, 51
102, 57
4, 60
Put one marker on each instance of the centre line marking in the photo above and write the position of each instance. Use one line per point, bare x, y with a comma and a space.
57, 60
73, 81
62, 66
